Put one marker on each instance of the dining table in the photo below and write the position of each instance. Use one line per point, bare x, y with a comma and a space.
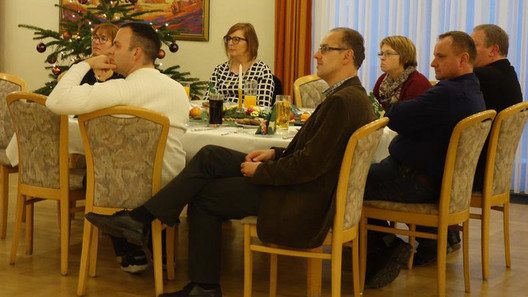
199, 134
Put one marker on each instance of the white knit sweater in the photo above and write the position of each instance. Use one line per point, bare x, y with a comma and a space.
145, 87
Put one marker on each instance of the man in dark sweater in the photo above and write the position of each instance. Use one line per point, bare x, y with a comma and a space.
291, 190
413, 171
498, 80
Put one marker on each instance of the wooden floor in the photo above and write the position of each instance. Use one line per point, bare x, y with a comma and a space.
38, 275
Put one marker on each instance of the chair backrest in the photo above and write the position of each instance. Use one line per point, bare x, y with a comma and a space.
308, 91
353, 173
465, 145
8, 83
504, 138
124, 149
42, 141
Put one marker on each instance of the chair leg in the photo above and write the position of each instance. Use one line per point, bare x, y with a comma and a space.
85, 254
412, 240
441, 260
314, 275
355, 267
29, 228
248, 262
4, 198
65, 233
336, 261
94, 249
170, 252
465, 235
156, 255
484, 238
18, 225
362, 252
506, 223
273, 275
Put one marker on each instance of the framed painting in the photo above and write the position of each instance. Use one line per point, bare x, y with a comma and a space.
189, 17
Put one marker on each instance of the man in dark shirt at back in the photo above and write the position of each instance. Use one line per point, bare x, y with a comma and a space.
498, 80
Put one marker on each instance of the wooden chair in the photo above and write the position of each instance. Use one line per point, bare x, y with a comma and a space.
308, 91
8, 83
124, 155
504, 138
349, 197
43, 167
465, 145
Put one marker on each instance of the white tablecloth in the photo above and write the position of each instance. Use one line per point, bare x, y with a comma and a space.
236, 138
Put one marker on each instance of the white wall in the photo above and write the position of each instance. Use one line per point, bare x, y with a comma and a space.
19, 57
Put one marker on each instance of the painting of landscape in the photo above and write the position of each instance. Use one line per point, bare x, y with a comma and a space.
189, 17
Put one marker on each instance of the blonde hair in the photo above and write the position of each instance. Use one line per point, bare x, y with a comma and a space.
404, 47
107, 29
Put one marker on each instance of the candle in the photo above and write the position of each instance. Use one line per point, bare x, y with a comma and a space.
240, 87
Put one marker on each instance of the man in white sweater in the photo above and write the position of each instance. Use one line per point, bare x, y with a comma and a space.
133, 54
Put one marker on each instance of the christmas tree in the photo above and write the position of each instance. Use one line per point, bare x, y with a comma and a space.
73, 42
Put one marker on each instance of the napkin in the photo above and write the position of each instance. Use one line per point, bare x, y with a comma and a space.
268, 127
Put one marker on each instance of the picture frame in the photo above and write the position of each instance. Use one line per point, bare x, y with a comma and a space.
189, 17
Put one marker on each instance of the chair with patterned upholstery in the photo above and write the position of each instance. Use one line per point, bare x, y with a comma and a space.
8, 83
504, 138
124, 148
308, 91
467, 140
349, 197
43, 167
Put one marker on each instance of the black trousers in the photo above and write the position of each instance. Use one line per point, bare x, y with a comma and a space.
214, 189
387, 181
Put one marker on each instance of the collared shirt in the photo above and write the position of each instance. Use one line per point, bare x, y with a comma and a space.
332, 88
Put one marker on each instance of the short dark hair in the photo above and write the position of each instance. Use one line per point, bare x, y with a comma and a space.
495, 35
352, 40
145, 37
250, 34
463, 42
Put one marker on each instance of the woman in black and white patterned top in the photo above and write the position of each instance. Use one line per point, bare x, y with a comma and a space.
241, 46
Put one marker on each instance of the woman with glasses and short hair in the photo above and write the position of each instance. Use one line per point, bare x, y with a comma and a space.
400, 80
102, 40
241, 47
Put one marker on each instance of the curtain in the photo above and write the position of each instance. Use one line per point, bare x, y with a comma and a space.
422, 21
293, 26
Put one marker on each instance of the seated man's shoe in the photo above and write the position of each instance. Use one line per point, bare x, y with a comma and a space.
426, 255
121, 225
135, 263
194, 290
384, 267
453, 241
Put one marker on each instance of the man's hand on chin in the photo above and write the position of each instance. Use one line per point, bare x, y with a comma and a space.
101, 62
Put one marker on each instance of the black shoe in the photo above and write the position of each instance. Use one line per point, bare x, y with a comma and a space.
193, 290
121, 225
385, 267
135, 263
426, 255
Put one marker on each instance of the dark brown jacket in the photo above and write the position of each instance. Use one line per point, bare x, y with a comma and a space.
296, 207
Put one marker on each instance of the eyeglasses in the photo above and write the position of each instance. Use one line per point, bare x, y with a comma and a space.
99, 38
387, 54
325, 49
235, 39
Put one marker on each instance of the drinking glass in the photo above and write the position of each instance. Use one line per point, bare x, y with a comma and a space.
216, 106
250, 93
187, 88
283, 110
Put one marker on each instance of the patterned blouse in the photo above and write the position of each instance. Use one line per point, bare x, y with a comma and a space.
226, 82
